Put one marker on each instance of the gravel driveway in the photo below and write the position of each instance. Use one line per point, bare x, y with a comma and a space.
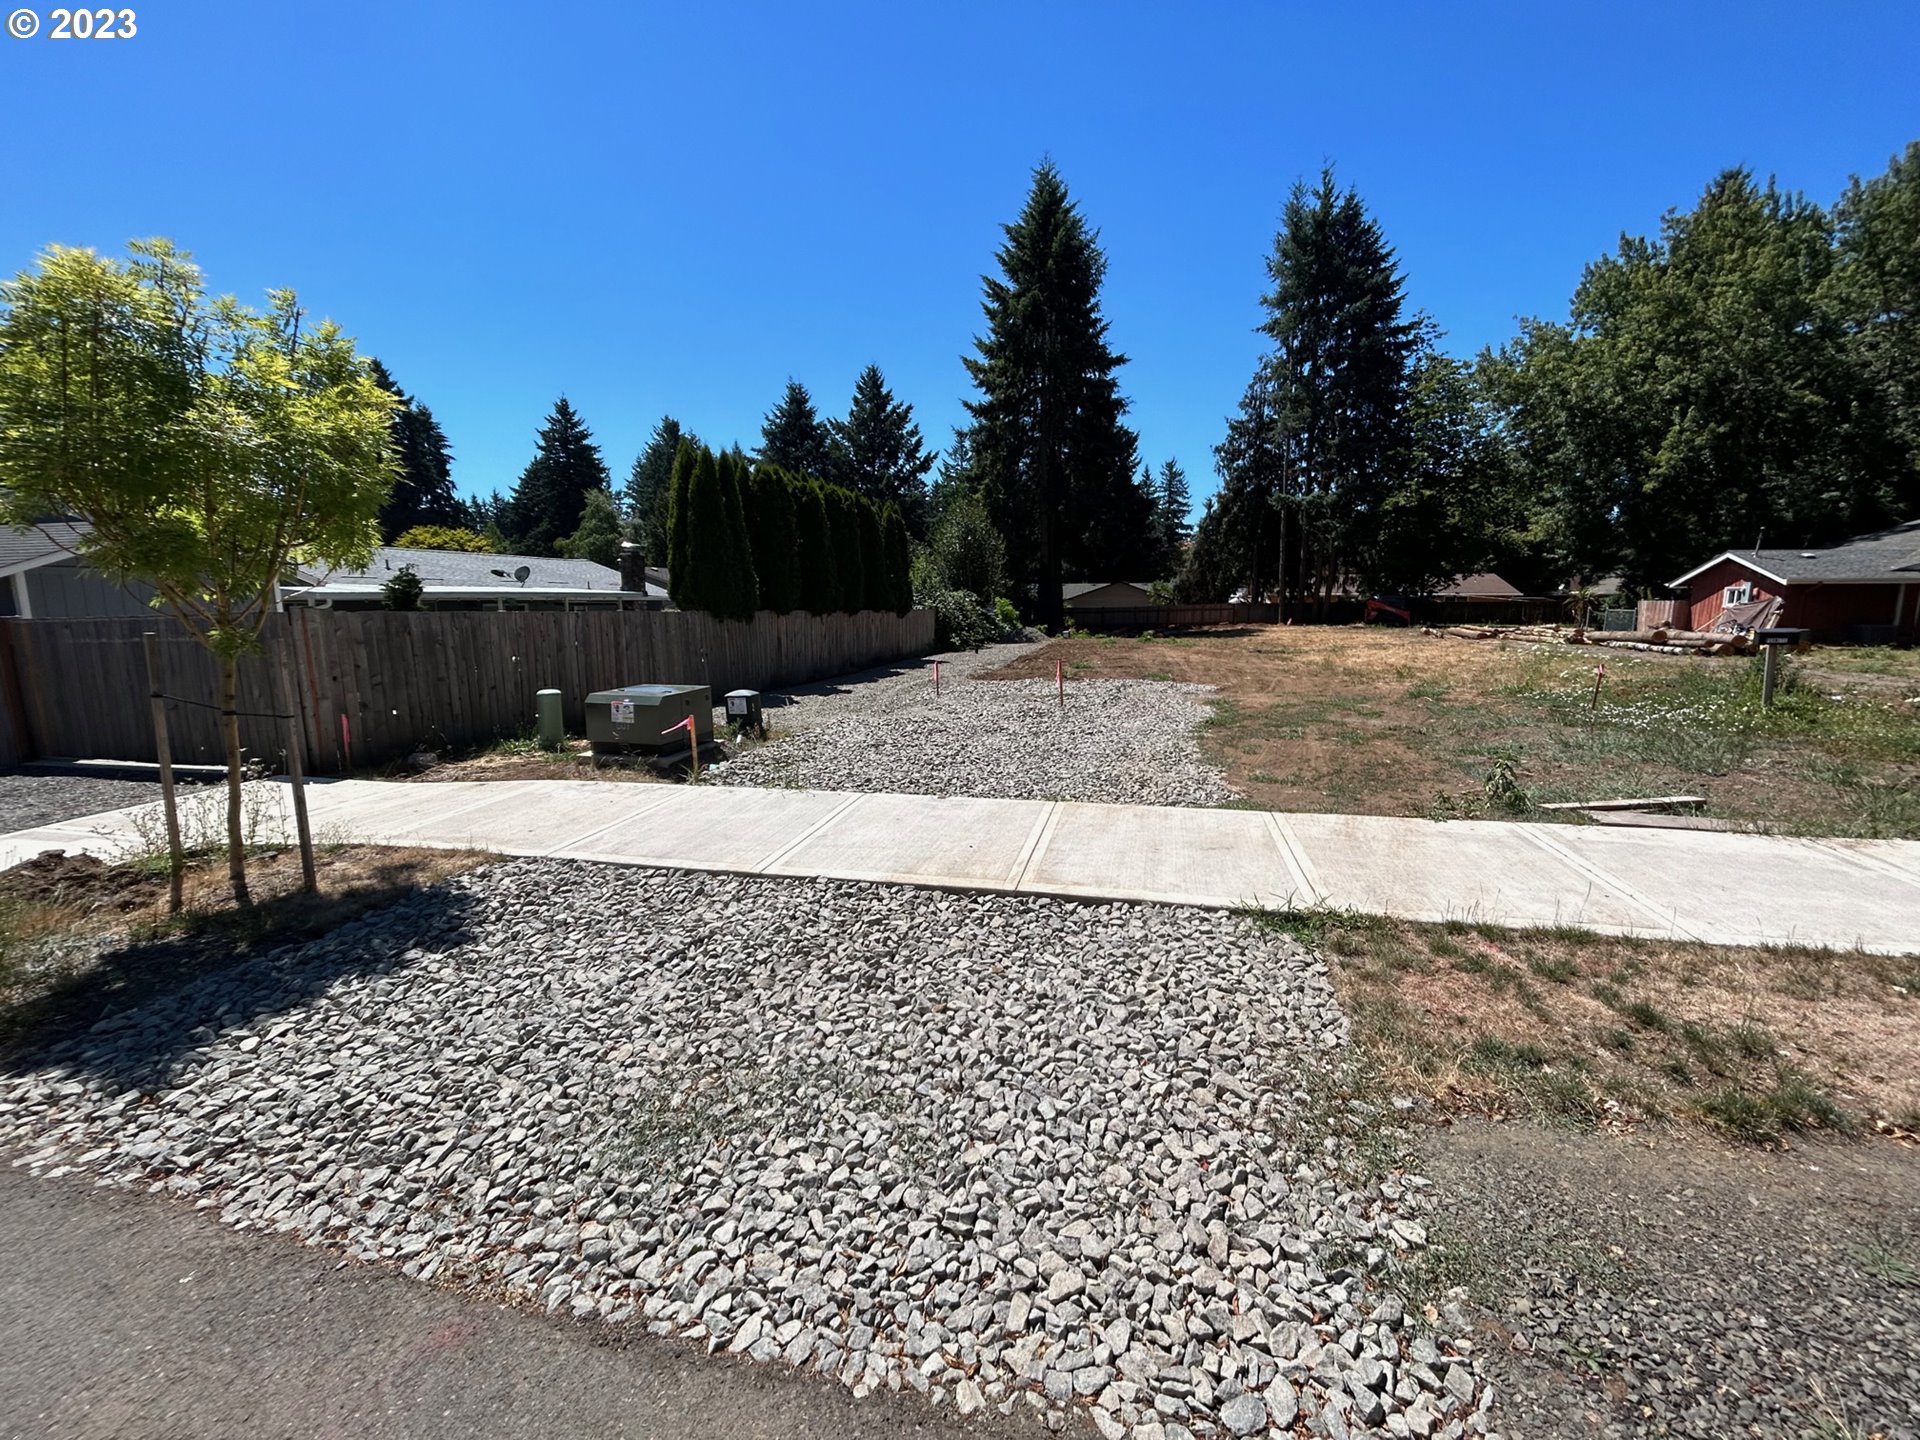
1005, 1151
1683, 1289
30, 801
1117, 741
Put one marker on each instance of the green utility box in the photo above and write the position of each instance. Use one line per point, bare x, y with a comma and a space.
645, 717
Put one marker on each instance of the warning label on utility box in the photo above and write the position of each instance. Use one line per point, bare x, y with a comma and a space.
623, 712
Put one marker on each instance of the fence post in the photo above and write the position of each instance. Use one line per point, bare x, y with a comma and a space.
176, 862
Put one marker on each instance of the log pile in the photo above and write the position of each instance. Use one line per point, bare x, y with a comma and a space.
1658, 642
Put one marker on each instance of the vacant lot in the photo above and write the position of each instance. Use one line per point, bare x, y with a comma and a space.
1391, 722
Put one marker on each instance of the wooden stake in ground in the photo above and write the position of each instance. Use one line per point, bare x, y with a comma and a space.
176, 860
1060, 683
290, 701
1599, 674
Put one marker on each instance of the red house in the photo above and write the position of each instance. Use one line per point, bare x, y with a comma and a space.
1866, 590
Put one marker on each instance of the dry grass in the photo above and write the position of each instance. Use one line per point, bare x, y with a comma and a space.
1393, 722
78, 937
1601, 1029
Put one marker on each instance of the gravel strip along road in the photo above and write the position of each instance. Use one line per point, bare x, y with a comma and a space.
1117, 742
1685, 1289
1005, 1151
30, 801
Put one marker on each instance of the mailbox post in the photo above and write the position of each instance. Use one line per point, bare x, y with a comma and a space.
1771, 638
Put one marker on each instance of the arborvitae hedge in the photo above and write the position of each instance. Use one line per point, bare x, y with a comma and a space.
849, 564
874, 592
771, 528
741, 539
813, 540
898, 550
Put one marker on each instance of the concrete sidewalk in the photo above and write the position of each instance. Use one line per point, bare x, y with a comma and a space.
1725, 889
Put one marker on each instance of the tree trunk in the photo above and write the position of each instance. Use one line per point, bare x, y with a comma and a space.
230, 733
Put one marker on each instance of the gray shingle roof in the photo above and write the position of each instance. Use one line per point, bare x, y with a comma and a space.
470, 571
37, 545
1886, 556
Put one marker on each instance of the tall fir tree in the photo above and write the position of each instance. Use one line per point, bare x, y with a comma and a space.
647, 485
1173, 515
768, 497
794, 437
423, 494
1046, 439
879, 452
546, 504
813, 540
953, 480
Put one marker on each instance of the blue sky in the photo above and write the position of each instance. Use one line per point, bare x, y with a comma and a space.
661, 208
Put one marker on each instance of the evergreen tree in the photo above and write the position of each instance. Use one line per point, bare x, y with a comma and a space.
647, 485
814, 545
849, 561
597, 538
686, 464
879, 452
547, 503
423, 494
1340, 375
898, 549
954, 478
874, 589
1047, 442
712, 568
1173, 506
794, 437
775, 543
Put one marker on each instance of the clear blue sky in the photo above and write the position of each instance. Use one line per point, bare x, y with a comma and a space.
672, 208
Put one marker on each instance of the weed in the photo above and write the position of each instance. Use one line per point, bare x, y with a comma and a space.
1646, 1015
1552, 968
1891, 1260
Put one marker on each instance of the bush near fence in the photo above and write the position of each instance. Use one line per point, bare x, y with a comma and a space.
402, 681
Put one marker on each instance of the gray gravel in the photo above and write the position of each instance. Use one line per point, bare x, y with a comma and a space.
1117, 741
30, 801
1003, 1151
1684, 1289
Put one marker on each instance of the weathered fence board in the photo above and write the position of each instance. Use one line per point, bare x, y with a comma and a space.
402, 681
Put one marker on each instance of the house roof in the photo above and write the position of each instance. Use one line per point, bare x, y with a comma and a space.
444, 571
1884, 557
36, 545
1478, 587
1074, 589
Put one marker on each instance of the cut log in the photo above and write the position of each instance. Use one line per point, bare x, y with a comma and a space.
1646, 804
1466, 634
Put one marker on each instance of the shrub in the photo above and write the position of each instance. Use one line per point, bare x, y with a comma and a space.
813, 540
445, 537
402, 591
769, 505
1008, 614
960, 622
897, 553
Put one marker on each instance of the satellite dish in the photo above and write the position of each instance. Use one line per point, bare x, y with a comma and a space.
521, 572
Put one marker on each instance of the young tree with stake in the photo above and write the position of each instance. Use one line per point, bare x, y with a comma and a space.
208, 446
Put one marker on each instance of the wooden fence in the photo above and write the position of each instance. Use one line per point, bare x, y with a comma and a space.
1168, 617
400, 681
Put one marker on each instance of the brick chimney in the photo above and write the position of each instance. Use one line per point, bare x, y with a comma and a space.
633, 568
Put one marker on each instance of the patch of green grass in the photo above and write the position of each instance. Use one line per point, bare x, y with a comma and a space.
1891, 1259
1646, 1015
1791, 1104
1560, 971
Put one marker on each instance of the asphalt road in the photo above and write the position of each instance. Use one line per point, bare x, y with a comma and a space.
133, 1316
